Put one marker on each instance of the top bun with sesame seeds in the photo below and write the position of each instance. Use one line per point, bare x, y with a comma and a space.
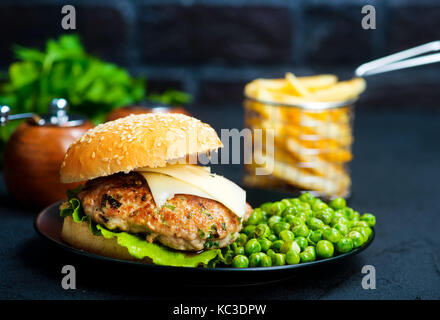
145, 140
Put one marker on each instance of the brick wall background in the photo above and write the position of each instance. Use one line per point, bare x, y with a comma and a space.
211, 48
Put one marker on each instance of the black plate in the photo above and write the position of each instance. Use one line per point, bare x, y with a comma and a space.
48, 224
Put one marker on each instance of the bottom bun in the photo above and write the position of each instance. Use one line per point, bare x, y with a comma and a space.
79, 235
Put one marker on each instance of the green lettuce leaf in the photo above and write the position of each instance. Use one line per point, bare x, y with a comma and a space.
137, 246
75, 210
140, 248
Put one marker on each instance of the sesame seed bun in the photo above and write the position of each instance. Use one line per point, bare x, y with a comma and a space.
145, 140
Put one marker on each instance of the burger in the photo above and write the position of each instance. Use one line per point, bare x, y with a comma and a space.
142, 198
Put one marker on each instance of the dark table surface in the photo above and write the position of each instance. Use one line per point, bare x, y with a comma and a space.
396, 174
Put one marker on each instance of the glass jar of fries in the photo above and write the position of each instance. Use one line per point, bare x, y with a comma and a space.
302, 133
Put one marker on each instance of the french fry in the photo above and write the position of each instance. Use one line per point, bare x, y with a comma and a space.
331, 152
311, 89
296, 115
318, 82
299, 177
341, 91
272, 84
339, 134
284, 98
311, 145
313, 163
296, 85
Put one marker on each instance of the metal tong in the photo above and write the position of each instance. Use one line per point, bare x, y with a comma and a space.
401, 60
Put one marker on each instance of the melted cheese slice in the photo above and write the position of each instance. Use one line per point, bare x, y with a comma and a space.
164, 187
189, 179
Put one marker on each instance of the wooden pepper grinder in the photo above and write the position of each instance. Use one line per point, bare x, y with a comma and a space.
35, 151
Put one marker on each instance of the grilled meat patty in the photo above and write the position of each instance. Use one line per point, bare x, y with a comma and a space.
186, 222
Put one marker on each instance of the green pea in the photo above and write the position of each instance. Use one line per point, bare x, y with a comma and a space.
255, 259
290, 219
324, 249
252, 246
277, 208
319, 205
266, 261
296, 221
298, 208
290, 246
308, 255
295, 230
318, 213
240, 261
301, 231
249, 231
369, 232
306, 197
286, 235
336, 215
357, 238
354, 220
292, 257
326, 215
369, 218
315, 223
264, 216
294, 201
356, 214
278, 259
255, 217
276, 245
332, 235
342, 228
308, 213
338, 203
241, 240
266, 206
239, 251
270, 252
343, 220
344, 245
302, 242
290, 210
361, 224
265, 244
262, 231
315, 236
228, 256
286, 202
362, 231
273, 220
280, 226
348, 213
302, 216
306, 207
